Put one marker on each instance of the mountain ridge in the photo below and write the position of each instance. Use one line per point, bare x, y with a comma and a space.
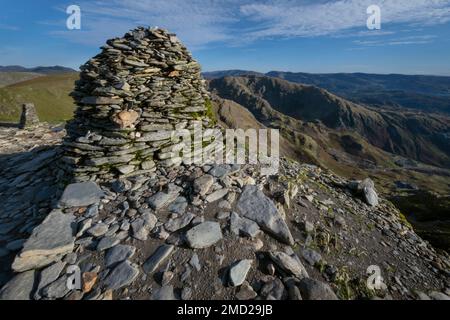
398, 133
417, 92
40, 69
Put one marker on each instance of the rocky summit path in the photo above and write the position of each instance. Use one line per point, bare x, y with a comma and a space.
211, 232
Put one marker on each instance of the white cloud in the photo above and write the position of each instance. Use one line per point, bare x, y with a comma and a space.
287, 19
201, 22
408, 40
197, 22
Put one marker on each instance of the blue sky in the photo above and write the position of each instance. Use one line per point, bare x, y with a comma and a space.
310, 36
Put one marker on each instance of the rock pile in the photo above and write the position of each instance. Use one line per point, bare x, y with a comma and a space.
208, 232
29, 117
133, 99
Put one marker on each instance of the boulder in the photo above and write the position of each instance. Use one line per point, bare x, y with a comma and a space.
255, 205
81, 194
289, 264
238, 272
204, 235
53, 238
20, 287
316, 290
122, 275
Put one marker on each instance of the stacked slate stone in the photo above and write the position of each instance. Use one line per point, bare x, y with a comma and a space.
29, 117
131, 98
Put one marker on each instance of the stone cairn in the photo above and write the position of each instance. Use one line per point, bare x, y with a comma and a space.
132, 98
29, 117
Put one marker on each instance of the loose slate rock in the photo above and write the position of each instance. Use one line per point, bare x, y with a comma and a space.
118, 254
179, 205
158, 257
254, 205
98, 230
107, 242
49, 275
122, 275
51, 239
20, 287
204, 235
203, 184
315, 290
243, 226
165, 293
217, 195
57, 289
370, 196
81, 195
238, 272
164, 198
311, 256
289, 264
179, 223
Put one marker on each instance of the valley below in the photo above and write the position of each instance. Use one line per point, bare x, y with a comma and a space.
405, 152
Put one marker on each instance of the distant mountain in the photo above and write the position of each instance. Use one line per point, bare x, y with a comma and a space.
294, 107
41, 70
419, 92
425, 93
229, 73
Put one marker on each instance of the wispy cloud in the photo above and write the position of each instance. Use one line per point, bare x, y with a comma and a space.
285, 18
201, 22
408, 40
8, 27
197, 22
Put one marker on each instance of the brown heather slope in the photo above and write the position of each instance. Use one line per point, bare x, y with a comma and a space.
231, 115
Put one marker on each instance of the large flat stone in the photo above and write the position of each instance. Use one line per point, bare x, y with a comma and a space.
179, 223
20, 287
289, 264
238, 272
81, 195
118, 254
203, 184
204, 235
122, 275
255, 205
164, 198
49, 275
164, 294
315, 290
51, 239
158, 257
243, 226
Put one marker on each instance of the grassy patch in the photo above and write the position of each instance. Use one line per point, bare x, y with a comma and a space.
50, 95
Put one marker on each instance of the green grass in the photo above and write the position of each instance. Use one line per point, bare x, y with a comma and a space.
50, 95
9, 78
210, 112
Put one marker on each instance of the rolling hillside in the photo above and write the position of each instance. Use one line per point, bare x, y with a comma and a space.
49, 93
424, 138
417, 92
357, 142
9, 78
